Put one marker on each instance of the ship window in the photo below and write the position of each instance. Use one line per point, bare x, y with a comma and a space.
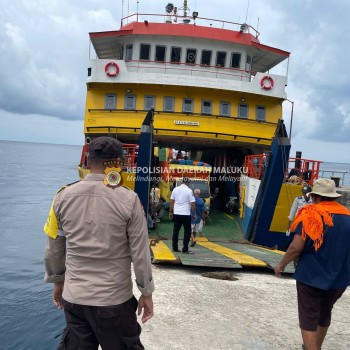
206, 107
206, 58
187, 106
243, 111
260, 113
160, 53
128, 52
191, 56
175, 54
130, 102
220, 59
225, 108
248, 64
150, 102
235, 60
110, 101
145, 50
169, 103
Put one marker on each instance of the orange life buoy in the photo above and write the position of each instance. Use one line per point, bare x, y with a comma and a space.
111, 69
266, 82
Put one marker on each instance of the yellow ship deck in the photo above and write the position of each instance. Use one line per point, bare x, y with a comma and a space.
222, 246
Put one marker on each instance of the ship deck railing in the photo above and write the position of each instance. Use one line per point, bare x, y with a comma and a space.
113, 130
338, 176
130, 154
302, 170
254, 165
159, 112
191, 69
179, 19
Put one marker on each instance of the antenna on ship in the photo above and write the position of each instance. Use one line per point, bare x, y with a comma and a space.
245, 27
246, 16
185, 8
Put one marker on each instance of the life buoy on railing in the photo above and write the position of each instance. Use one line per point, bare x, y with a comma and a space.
111, 69
266, 82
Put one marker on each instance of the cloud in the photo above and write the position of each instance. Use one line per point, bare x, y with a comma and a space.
46, 46
316, 33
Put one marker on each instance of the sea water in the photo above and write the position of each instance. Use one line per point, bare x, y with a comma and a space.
341, 170
30, 175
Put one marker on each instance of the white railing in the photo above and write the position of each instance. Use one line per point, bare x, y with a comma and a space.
337, 176
176, 19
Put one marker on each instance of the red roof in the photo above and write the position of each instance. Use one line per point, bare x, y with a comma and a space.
271, 56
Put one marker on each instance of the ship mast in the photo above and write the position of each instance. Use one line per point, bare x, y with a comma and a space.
185, 8
186, 19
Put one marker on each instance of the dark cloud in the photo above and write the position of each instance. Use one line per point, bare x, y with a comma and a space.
45, 50
316, 32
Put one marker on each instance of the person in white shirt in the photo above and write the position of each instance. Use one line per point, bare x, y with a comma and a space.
182, 201
298, 203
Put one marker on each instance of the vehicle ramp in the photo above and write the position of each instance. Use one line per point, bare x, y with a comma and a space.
221, 246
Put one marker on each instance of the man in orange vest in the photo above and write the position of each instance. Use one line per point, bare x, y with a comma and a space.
322, 245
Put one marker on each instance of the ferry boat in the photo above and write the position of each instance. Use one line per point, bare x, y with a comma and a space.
211, 91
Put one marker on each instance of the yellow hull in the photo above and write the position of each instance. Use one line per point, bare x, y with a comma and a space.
178, 127
285, 200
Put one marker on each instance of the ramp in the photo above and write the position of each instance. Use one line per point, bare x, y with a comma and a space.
222, 246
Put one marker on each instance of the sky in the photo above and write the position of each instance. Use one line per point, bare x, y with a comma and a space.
45, 53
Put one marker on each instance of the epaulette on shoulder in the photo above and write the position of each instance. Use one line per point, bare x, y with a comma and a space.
65, 186
127, 188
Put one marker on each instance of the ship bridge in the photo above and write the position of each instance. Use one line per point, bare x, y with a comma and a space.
208, 81
112, 44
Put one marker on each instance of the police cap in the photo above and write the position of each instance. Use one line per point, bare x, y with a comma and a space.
105, 147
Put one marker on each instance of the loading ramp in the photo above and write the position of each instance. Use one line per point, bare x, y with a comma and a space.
222, 246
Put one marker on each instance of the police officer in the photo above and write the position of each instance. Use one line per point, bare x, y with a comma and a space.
298, 203
95, 229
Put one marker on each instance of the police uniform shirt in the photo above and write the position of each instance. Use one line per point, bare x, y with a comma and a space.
94, 233
298, 203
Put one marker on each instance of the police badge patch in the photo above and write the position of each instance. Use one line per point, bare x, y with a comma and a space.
112, 177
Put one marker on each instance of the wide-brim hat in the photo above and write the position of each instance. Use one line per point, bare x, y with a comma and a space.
325, 188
